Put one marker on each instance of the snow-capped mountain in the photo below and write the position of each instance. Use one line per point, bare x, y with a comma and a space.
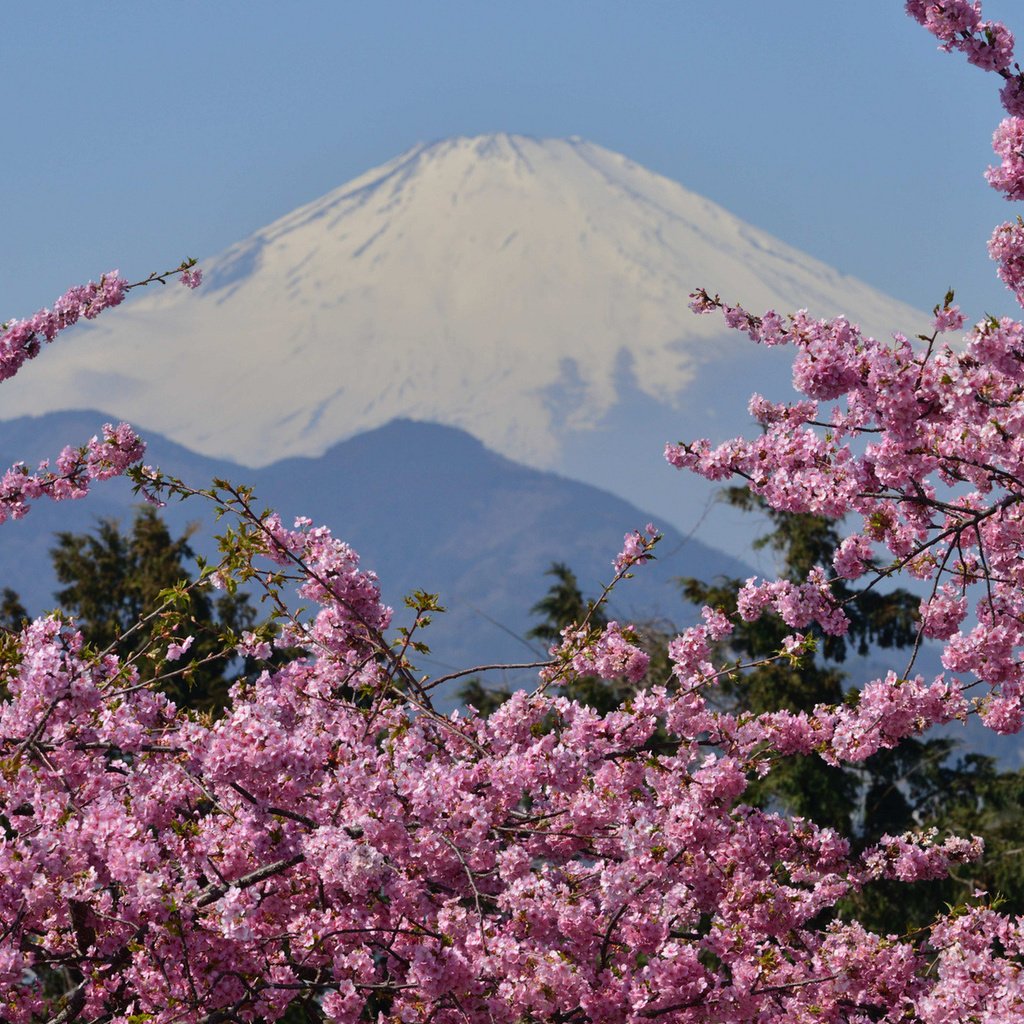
532, 292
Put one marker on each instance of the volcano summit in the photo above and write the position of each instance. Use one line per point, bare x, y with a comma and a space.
531, 291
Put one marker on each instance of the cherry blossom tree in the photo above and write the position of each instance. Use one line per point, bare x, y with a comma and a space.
336, 846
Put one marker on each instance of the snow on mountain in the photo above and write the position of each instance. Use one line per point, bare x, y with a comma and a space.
532, 292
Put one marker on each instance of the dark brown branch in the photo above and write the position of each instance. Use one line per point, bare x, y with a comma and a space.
73, 1007
212, 893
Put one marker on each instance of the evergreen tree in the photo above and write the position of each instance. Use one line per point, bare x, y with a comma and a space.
563, 605
12, 612
917, 785
801, 785
112, 578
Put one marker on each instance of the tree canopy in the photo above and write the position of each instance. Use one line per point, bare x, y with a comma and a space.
134, 591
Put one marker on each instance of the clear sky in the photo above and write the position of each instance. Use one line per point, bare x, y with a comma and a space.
137, 133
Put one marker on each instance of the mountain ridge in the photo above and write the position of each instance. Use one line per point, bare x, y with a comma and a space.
426, 506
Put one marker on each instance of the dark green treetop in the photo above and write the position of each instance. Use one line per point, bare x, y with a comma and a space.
112, 579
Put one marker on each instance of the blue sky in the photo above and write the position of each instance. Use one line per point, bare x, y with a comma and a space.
138, 133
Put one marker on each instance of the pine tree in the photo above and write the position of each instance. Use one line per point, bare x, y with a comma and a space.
12, 612
112, 578
803, 786
563, 605
918, 785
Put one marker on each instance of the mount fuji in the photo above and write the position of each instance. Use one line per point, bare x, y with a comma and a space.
531, 292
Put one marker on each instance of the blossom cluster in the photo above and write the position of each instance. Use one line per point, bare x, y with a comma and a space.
460, 868
798, 605
636, 548
691, 651
611, 653
74, 471
926, 450
959, 26
22, 340
349, 596
332, 835
614, 654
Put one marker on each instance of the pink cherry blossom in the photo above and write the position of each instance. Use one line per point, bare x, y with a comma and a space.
177, 649
333, 837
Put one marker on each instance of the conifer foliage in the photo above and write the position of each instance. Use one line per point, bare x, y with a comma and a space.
113, 580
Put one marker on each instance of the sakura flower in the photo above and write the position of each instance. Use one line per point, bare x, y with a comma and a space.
178, 648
